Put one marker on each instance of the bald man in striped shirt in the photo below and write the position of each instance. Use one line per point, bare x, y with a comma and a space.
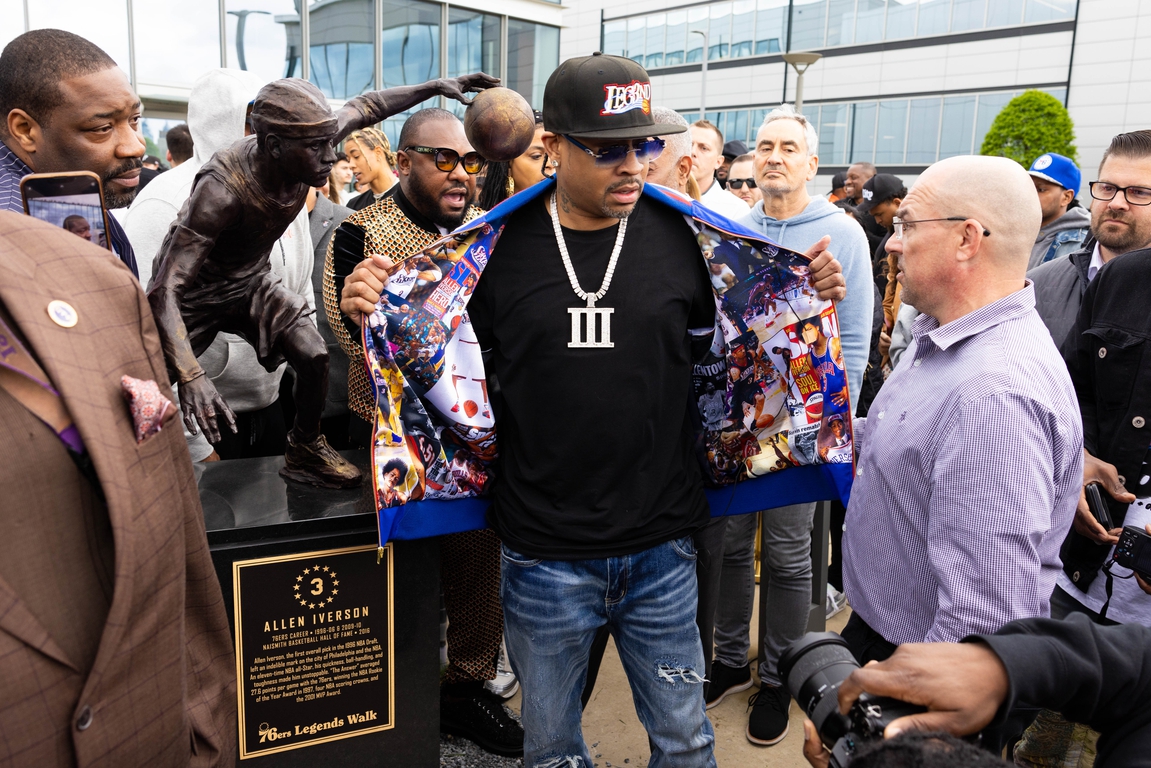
970, 462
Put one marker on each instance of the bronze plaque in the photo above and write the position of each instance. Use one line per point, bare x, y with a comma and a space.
314, 654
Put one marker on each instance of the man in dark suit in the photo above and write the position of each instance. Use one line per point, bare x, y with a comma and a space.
114, 641
323, 218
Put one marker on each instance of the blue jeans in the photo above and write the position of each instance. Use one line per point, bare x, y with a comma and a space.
552, 609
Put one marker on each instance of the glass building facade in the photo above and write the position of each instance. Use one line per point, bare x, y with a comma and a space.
762, 27
345, 47
914, 131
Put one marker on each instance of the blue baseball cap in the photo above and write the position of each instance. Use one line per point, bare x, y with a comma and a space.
1057, 169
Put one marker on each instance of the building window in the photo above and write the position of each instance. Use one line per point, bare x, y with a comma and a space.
341, 47
760, 27
915, 131
411, 53
533, 54
473, 42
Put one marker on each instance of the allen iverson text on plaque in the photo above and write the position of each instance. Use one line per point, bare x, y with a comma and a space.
314, 655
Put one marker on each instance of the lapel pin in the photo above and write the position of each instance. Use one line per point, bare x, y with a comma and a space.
62, 313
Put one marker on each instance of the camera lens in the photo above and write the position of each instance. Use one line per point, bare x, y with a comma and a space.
813, 668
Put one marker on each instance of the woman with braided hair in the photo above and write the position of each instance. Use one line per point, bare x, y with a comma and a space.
373, 162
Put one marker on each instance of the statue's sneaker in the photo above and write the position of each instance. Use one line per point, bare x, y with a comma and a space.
317, 463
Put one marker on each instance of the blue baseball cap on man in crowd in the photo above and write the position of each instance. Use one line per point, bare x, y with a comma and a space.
1057, 169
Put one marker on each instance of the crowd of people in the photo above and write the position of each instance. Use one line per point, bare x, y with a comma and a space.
992, 329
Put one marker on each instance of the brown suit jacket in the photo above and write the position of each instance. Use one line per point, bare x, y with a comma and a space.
161, 691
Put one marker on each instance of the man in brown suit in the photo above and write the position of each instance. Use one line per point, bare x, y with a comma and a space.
114, 643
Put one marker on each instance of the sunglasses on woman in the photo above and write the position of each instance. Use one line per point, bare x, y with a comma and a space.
448, 159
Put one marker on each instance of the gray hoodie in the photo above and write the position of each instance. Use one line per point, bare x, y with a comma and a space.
849, 246
1070, 230
216, 110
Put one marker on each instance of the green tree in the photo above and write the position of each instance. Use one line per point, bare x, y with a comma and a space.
151, 148
1031, 124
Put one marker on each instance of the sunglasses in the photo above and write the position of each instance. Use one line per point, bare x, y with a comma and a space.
448, 159
645, 150
738, 183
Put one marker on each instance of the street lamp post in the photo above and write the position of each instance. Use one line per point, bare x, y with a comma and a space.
702, 76
800, 62
241, 23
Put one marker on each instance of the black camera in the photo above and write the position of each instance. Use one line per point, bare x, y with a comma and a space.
814, 667
1134, 551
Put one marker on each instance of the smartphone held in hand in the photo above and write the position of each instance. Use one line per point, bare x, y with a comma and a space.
73, 201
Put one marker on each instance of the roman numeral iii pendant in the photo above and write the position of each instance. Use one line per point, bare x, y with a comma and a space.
586, 332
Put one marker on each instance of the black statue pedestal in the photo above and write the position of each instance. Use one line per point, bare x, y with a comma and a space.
252, 513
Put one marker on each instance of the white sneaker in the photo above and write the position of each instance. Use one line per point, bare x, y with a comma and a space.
836, 601
505, 684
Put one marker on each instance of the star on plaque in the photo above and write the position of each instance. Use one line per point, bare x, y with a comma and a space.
325, 567
307, 570
299, 578
311, 605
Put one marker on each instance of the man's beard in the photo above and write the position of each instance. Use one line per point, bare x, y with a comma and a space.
120, 199
619, 213
1130, 239
428, 202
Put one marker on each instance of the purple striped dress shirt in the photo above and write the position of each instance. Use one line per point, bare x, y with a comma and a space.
968, 476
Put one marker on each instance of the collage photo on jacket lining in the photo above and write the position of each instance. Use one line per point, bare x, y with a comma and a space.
771, 392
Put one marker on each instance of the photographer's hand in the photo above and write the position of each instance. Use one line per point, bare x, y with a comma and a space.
813, 748
961, 684
1098, 471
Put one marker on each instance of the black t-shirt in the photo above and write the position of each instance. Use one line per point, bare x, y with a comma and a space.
596, 445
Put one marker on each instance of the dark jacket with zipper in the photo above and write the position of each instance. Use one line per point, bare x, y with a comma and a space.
1059, 287
1108, 354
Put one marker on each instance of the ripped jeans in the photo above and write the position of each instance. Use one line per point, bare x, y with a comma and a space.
552, 609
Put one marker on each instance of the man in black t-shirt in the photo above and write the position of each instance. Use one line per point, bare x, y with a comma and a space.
591, 310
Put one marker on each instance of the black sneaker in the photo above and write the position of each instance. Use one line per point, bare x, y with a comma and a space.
478, 716
767, 723
725, 680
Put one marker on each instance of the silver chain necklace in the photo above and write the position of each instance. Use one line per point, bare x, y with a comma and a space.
589, 336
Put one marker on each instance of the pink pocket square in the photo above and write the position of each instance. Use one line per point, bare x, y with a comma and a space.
150, 410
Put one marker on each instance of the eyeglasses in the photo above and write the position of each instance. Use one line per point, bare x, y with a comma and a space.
448, 159
1101, 190
738, 183
645, 150
903, 225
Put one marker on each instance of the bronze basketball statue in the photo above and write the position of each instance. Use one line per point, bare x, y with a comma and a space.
500, 124
213, 271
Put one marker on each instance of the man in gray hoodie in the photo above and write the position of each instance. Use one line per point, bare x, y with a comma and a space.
785, 161
217, 117
1065, 222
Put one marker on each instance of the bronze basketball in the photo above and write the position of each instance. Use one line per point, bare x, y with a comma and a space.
500, 124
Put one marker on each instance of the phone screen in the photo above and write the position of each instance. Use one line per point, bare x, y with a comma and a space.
71, 201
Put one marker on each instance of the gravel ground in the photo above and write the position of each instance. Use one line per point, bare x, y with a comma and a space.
461, 753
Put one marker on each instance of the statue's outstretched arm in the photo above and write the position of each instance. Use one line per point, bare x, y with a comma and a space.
375, 106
